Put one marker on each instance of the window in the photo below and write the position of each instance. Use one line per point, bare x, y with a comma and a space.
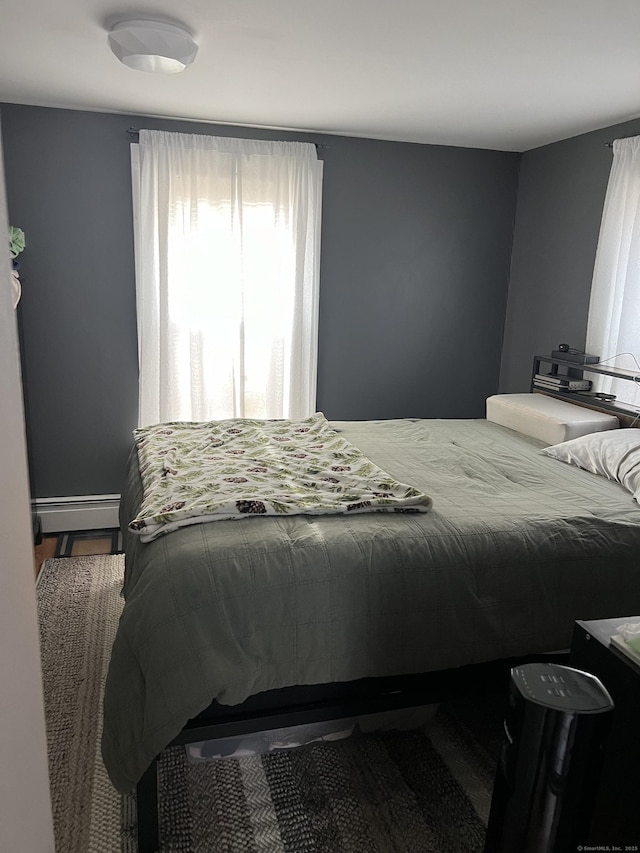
613, 330
227, 268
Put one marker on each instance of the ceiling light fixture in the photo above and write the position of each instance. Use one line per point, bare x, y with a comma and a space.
153, 46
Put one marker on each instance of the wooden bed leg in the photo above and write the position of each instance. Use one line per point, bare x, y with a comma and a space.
147, 802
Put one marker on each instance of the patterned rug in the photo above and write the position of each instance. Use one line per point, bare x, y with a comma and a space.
404, 792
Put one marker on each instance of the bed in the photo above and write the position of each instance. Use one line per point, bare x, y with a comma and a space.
516, 546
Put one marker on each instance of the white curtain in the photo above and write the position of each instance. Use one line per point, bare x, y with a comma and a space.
227, 243
613, 330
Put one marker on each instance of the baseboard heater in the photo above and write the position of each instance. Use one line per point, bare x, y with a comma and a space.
80, 512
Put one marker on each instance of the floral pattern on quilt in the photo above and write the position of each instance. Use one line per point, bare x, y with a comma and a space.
239, 468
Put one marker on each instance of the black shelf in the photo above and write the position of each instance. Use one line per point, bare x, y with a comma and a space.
573, 368
576, 371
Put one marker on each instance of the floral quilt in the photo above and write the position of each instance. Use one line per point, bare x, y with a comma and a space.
238, 468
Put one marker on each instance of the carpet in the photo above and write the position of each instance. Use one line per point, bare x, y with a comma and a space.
425, 791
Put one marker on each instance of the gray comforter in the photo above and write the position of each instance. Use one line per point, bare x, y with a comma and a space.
516, 547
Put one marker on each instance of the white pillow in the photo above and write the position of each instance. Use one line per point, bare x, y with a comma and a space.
614, 454
546, 418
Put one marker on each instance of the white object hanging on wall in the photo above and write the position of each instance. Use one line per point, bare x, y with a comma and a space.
16, 288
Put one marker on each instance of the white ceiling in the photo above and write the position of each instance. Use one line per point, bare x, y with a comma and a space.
503, 74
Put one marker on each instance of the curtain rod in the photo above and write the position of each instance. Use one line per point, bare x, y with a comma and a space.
610, 144
133, 131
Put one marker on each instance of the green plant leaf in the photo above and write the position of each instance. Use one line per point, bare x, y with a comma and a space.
16, 241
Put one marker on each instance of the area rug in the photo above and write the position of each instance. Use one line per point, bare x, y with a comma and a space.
425, 791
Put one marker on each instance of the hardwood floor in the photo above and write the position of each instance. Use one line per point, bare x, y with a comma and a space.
45, 550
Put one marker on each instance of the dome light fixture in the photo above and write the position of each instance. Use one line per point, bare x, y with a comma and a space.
153, 46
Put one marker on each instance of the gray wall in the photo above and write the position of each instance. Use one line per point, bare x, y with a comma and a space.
560, 199
416, 245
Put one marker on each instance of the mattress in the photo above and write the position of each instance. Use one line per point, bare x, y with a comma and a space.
516, 547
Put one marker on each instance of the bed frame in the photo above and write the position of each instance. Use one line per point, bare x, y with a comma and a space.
294, 706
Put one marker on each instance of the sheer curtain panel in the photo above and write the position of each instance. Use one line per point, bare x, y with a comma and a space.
613, 328
227, 243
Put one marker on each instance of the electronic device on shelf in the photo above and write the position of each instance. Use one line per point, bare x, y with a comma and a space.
575, 356
561, 382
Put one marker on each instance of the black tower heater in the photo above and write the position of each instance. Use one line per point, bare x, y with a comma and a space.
547, 777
